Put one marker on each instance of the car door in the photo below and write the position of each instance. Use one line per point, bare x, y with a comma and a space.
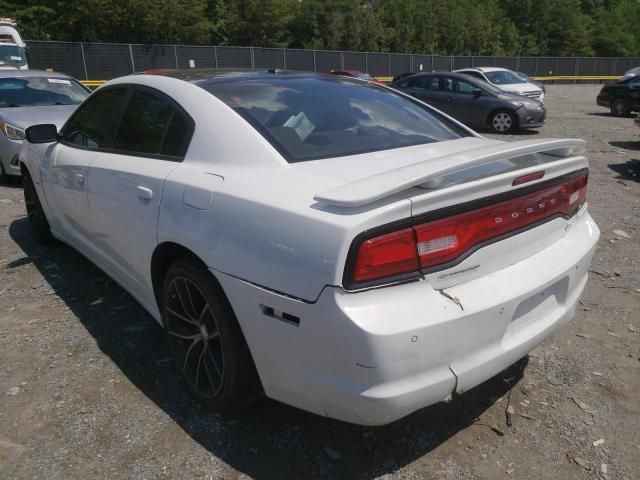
428, 89
461, 103
126, 183
64, 169
634, 93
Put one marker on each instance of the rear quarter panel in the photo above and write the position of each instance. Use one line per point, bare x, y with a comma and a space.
245, 229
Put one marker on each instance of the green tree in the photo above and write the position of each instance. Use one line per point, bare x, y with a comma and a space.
455, 27
616, 30
260, 23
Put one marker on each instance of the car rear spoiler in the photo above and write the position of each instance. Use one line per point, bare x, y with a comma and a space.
369, 189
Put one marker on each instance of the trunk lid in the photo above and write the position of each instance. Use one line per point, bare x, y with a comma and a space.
470, 179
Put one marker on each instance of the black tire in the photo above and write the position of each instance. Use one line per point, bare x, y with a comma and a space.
214, 359
37, 218
620, 108
3, 177
503, 121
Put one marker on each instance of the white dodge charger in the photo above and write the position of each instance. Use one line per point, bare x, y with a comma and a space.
328, 242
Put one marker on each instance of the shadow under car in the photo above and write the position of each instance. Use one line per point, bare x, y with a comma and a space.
268, 439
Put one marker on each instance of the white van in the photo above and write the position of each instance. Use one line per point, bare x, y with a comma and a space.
12, 48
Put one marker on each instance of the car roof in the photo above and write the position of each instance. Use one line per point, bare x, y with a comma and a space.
460, 75
486, 69
31, 74
208, 76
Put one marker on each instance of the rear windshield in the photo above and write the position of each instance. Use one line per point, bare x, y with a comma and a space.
37, 91
308, 118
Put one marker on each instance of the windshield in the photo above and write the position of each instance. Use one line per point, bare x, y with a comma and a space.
34, 91
503, 77
12, 56
308, 118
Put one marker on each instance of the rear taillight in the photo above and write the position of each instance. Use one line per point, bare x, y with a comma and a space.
442, 242
386, 255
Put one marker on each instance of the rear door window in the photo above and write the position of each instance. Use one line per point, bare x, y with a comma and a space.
152, 125
455, 85
427, 83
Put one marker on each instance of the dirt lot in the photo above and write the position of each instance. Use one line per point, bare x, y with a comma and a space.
87, 388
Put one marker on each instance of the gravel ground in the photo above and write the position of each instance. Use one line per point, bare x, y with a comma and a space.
88, 390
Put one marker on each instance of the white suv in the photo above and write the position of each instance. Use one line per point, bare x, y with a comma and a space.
505, 80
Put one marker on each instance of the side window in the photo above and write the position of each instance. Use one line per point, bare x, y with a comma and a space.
455, 85
427, 83
635, 82
152, 125
92, 124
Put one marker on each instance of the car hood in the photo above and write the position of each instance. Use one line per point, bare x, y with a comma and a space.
519, 87
24, 117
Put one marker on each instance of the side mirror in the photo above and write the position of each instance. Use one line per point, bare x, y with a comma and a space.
44, 133
477, 92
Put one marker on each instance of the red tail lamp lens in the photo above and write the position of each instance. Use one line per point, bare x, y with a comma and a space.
386, 255
442, 241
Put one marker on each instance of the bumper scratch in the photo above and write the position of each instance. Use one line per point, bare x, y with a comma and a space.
455, 300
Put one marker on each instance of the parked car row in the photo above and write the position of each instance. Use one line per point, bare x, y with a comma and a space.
476, 103
478, 97
483, 101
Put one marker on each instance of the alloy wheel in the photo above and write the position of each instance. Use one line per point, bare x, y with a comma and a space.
195, 335
502, 122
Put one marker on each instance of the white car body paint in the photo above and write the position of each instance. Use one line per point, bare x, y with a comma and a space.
277, 235
526, 89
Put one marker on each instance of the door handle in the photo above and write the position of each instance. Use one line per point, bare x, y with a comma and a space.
144, 192
79, 178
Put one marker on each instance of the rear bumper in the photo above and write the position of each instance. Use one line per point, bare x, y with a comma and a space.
373, 357
603, 102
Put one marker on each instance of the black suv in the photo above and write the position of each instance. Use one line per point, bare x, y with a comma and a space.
622, 97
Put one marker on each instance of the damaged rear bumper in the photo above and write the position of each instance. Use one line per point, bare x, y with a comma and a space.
375, 356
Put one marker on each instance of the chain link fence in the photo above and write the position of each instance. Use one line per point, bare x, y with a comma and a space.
103, 61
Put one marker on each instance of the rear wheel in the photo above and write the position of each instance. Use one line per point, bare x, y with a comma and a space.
208, 345
37, 218
503, 121
620, 107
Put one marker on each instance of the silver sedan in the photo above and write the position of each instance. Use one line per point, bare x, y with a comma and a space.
30, 97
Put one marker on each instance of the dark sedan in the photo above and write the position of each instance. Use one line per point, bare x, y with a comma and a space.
622, 97
474, 102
